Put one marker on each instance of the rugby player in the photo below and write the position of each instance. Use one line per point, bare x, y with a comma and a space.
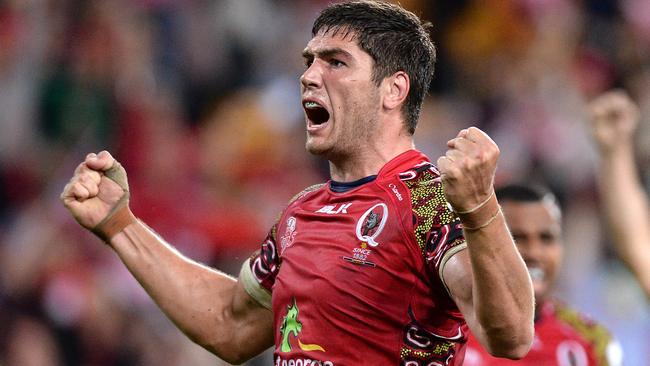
390, 262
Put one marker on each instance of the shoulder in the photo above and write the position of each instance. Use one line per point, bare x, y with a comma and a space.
426, 190
429, 204
305, 192
436, 227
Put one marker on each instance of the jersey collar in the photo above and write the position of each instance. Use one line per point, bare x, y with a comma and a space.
403, 162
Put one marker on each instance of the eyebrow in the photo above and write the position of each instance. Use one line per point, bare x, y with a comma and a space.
326, 53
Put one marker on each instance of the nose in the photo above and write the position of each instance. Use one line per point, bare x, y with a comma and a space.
311, 78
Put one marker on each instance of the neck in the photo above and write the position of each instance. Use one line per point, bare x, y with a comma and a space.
368, 160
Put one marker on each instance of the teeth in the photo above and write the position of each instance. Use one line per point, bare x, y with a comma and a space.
311, 105
536, 273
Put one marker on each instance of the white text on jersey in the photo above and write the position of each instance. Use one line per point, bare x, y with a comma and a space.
333, 209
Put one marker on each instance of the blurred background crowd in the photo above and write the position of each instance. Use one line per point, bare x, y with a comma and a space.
199, 99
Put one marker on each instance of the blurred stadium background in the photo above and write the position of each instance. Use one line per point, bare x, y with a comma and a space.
200, 101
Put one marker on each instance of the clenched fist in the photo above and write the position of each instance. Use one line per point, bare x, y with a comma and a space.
97, 195
467, 171
614, 117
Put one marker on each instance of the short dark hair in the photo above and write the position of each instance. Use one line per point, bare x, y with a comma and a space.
395, 38
525, 193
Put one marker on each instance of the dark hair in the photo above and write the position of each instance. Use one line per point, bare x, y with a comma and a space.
525, 193
395, 38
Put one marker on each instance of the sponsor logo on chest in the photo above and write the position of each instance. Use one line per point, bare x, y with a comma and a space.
335, 209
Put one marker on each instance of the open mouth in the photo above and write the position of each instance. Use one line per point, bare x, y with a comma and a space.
316, 113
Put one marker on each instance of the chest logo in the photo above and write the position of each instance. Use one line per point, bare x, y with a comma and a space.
371, 223
333, 209
292, 326
289, 233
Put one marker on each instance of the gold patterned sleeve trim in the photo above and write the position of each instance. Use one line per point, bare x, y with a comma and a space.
252, 287
445, 258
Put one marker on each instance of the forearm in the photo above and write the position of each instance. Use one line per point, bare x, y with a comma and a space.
502, 291
626, 209
199, 300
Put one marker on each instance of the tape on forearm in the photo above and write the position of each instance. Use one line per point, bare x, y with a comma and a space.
120, 216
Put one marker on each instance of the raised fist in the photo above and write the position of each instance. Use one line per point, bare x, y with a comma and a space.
468, 168
97, 195
614, 117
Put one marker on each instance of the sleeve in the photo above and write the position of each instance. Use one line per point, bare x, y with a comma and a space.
437, 229
444, 240
259, 271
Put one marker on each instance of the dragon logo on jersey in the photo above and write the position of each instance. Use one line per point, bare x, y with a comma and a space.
292, 326
371, 223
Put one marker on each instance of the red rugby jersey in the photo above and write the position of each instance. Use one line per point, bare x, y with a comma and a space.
355, 277
563, 337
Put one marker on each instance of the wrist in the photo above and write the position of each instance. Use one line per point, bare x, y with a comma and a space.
477, 207
482, 216
621, 148
115, 222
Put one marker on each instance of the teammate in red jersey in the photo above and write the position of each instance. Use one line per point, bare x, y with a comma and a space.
381, 265
563, 336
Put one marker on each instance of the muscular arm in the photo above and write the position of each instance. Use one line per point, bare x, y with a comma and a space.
210, 307
488, 281
491, 286
625, 203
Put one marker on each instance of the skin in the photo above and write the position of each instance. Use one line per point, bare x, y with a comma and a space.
365, 130
489, 281
614, 118
536, 228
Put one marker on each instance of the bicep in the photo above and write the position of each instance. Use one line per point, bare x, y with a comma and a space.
241, 330
254, 330
458, 278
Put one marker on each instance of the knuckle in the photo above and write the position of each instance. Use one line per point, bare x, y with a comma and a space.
469, 164
453, 172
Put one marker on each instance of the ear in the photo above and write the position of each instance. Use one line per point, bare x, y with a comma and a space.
397, 88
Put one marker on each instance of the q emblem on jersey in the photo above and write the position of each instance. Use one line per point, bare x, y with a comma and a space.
371, 223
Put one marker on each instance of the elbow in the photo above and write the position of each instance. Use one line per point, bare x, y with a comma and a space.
513, 352
510, 343
235, 359
226, 352
221, 345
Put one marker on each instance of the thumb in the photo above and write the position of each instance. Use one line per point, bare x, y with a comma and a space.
100, 162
